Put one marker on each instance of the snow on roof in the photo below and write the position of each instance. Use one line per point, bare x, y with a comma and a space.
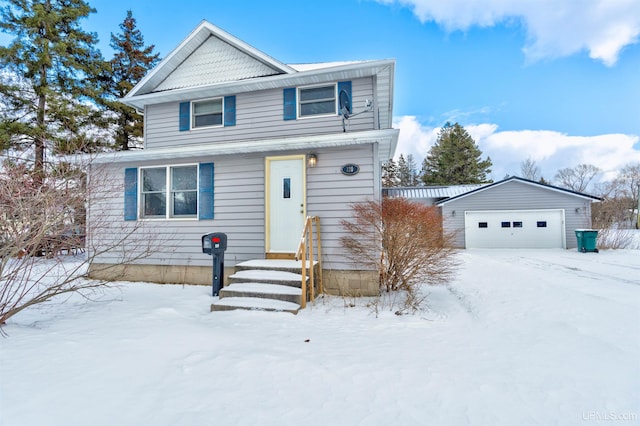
418, 192
321, 65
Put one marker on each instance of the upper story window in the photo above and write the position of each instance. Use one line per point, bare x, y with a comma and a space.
319, 100
207, 113
169, 192
313, 101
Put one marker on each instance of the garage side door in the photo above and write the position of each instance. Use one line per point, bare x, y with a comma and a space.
514, 229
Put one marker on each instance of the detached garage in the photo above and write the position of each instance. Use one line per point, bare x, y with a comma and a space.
517, 213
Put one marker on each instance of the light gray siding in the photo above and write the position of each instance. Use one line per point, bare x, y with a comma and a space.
384, 90
330, 195
239, 212
239, 209
514, 195
259, 115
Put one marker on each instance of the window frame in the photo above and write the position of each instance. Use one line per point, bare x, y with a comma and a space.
300, 102
168, 193
192, 115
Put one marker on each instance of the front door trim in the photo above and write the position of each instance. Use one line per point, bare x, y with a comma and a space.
268, 195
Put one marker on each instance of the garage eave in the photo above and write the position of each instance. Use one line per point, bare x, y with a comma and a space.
591, 198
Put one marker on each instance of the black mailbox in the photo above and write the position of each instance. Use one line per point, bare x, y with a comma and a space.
215, 244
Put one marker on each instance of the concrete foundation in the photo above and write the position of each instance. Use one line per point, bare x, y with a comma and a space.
336, 282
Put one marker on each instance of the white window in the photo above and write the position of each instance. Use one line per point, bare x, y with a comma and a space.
207, 113
170, 191
317, 100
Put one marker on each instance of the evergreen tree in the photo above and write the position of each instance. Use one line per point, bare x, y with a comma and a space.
404, 173
389, 174
58, 63
455, 159
131, 61
407, 171
414, 178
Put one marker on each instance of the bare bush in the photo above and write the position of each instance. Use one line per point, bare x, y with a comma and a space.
404, 242
615, 239
46, 218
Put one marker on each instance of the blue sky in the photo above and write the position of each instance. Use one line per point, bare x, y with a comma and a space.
557, 81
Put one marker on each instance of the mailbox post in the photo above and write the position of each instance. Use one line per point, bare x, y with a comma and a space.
215, 244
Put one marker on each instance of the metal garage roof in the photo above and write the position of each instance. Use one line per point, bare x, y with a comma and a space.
417, 192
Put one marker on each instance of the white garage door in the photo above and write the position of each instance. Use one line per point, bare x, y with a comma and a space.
514, 229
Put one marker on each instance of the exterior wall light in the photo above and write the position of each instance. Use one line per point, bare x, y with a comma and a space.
312, 160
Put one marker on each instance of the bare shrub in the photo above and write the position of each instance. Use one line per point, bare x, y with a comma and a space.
404, 242
615, 239
45, 217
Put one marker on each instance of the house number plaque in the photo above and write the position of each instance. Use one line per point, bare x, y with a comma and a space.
350, 169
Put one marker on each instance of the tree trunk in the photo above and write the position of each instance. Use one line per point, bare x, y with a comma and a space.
41, 135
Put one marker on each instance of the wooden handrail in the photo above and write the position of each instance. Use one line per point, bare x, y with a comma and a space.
305, 253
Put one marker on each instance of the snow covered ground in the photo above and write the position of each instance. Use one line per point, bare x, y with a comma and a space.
522, 337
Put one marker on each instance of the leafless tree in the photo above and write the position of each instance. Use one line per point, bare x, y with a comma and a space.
529, 169
577, 178
619, 206
403, 241
43, 221
629, 181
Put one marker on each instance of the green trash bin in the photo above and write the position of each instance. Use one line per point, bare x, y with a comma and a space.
587, 240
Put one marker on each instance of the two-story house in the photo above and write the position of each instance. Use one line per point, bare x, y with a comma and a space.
237, 142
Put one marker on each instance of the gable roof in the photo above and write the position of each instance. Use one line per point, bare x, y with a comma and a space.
234, 60
211, 62
525, 181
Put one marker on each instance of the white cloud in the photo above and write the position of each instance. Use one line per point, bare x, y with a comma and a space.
414, 138
554, 27
551, 150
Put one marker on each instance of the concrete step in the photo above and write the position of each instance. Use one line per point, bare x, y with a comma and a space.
273, 265
254, 304
266, 276
262, 290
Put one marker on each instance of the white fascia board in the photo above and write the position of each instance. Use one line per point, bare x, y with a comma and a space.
387, 139
315, 76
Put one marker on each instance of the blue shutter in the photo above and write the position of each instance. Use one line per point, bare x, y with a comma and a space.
289, 96
185, 116
205, 206
229, 110
346, 86
131, 194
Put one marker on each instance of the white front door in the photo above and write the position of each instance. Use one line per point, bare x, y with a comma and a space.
285, 203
